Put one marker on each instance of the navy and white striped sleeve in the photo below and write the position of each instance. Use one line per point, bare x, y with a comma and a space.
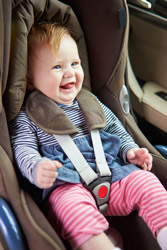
115, 127
24, 145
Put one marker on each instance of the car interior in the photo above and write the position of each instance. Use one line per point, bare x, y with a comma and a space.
147, 68
124, 56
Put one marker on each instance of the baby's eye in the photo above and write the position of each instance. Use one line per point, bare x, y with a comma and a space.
57, 67
74, 64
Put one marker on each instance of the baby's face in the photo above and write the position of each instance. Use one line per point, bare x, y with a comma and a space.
58, 75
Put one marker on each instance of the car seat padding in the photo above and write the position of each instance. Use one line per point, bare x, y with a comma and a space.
47, 115
24, 15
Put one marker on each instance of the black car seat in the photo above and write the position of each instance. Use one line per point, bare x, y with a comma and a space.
104, 44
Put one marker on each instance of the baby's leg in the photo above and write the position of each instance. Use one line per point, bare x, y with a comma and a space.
73, 213
98, 242
140, 190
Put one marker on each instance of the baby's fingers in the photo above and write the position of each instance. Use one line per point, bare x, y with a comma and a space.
46, 182
147, 163
46, 173
52, 165
57, 164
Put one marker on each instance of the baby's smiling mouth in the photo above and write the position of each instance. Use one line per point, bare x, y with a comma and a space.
67, 85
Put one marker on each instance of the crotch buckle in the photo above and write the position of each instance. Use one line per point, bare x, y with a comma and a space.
100, 188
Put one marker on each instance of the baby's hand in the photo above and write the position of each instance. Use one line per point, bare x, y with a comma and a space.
46, 173
140, 157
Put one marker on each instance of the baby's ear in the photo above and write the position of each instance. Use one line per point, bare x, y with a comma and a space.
30, 85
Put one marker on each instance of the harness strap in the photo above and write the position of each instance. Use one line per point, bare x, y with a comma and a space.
98, 183
101, 163
75, 156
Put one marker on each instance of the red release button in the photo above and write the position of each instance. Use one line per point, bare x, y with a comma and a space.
102, 191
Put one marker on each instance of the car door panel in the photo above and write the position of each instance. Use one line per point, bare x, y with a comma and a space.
147, 67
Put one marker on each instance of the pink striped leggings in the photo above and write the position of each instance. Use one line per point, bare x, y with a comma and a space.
73, 212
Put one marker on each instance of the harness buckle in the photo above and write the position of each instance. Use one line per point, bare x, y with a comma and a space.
100, 188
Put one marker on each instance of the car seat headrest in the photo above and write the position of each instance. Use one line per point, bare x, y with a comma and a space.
25, 14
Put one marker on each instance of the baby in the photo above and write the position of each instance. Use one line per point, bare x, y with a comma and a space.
54, 69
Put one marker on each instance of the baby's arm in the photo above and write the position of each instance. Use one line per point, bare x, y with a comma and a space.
46, 173
40, 171
140, 157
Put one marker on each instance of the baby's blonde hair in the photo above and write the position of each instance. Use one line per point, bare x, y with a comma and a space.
51, 33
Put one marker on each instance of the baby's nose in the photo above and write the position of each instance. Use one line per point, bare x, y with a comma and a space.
69, 72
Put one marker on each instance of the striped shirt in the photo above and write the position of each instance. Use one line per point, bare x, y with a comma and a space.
26, 137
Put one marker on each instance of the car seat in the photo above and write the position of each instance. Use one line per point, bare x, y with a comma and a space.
104, 44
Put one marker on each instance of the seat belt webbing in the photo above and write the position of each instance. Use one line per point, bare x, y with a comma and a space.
86, 172
75, 156
99, 154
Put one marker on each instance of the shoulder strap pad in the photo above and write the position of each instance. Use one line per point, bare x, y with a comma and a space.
48, 116
91, 109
